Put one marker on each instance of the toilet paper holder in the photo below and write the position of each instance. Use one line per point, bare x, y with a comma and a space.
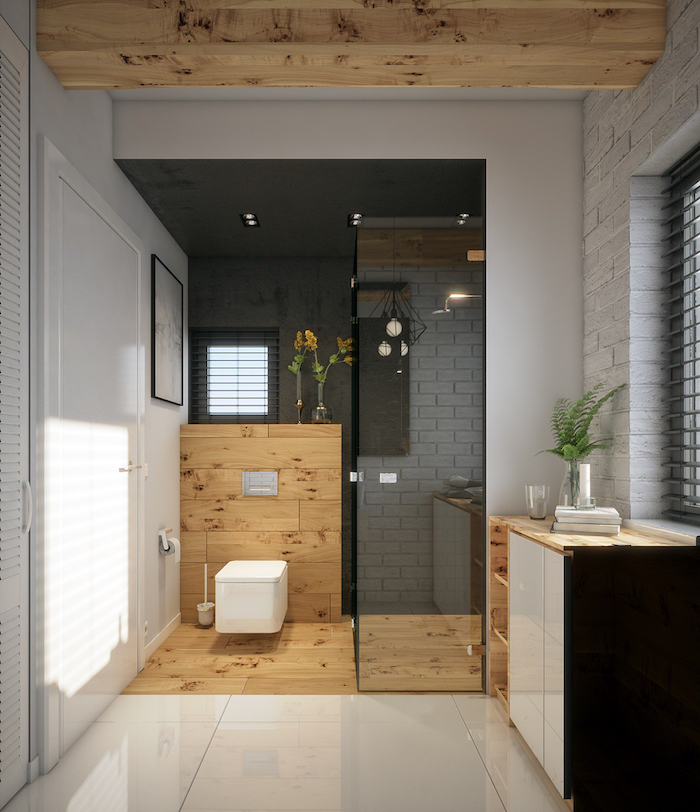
165, 545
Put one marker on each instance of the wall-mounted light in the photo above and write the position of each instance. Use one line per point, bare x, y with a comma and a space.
462, 219
250, 220
354, 220
446, 308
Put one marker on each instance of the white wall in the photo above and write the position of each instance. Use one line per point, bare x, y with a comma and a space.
533, 153
79, 124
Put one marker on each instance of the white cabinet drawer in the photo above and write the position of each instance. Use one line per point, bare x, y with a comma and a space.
537, 650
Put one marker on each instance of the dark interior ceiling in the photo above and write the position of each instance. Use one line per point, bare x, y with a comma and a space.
303, 205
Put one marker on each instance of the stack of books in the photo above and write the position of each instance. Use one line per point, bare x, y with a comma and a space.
599, 521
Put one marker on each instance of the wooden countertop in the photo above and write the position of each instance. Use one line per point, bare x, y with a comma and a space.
538, 530
463, 504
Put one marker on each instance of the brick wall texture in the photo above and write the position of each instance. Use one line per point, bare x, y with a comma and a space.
631, 138
395, 521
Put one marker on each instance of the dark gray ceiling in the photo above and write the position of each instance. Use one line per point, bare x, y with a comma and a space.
302, 204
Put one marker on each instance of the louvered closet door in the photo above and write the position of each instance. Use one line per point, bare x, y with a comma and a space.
15, 503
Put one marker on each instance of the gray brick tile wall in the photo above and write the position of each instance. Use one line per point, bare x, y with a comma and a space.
446, 396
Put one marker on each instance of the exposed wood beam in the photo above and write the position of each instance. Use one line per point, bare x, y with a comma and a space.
291, 43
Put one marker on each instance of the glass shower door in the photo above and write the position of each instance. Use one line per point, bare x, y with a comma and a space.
418, 425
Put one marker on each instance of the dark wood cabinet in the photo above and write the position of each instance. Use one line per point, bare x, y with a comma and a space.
633, 632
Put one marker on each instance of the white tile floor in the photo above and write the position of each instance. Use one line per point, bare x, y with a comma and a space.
366, 753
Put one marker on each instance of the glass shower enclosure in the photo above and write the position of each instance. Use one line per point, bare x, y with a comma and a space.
418, 439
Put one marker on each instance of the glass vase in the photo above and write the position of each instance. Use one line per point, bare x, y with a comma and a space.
299, 405
570, 490
321, 413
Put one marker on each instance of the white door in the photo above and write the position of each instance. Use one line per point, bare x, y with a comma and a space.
91, 453
15, 499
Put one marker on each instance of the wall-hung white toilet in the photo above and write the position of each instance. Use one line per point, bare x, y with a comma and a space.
251, 596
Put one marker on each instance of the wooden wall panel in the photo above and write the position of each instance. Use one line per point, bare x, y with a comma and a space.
294, 483
301, 525
321, 515
310, 547
194, 546
313, 577
304, 430
309, 607
266, 453
224, 430
238, 514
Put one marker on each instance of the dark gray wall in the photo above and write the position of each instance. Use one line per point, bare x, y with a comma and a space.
289, 295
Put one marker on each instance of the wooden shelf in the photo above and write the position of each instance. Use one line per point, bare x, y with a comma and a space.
502, 694
498, 611
502, 637
500, 579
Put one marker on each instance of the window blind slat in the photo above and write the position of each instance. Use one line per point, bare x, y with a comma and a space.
234, 376
683, 289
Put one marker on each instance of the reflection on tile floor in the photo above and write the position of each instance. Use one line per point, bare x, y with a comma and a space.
362, 753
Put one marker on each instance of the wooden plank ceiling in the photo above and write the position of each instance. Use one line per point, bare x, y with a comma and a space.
329, 43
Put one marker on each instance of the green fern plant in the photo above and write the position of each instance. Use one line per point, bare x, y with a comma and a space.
571, 421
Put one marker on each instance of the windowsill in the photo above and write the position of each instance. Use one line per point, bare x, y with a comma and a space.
678, 531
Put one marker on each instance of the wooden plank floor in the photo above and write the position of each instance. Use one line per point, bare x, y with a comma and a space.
302, 658
423, 653
407, 653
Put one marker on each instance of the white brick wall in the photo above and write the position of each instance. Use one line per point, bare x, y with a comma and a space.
631, 139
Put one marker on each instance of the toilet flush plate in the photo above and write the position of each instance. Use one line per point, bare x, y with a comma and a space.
260, 483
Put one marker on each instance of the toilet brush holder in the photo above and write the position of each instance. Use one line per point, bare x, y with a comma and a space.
206, 613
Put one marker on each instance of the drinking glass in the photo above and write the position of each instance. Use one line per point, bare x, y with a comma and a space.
537, 497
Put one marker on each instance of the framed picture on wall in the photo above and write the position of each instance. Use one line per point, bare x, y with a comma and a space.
166, 336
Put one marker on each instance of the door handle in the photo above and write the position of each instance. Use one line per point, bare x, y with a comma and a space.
128, 468
28, 505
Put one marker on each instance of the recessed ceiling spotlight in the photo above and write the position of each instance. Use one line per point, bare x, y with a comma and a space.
354, 220
250, 220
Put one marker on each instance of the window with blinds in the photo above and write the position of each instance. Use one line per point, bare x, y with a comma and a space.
234, 376
684, 330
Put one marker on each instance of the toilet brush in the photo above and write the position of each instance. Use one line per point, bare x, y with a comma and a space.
206, 609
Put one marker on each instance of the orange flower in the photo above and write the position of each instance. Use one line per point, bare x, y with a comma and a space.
311, 340
299, 343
